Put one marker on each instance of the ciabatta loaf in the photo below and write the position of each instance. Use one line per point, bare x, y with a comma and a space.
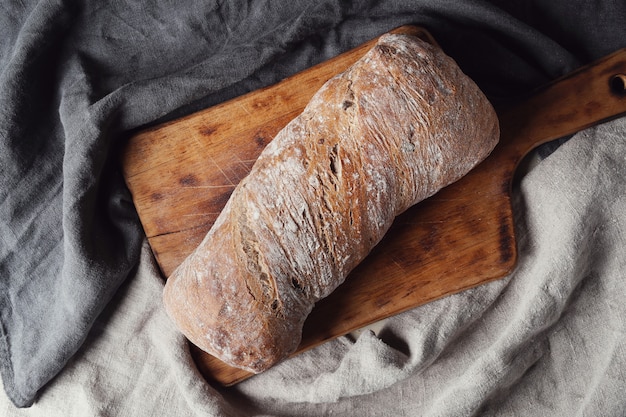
396, 127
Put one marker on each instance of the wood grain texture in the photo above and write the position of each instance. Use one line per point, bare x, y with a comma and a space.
181, 174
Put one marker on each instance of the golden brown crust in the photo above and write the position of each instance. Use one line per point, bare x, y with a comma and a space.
400, 124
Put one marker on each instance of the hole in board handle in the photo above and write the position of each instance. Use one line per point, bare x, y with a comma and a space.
618, 84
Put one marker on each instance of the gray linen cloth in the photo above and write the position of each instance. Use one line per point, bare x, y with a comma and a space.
76, 77
549, 339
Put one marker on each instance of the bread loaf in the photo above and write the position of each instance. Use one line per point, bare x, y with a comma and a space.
392, 130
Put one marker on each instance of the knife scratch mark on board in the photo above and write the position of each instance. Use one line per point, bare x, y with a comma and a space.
398, 264
202, 146
242, 163
242, 107
230, 182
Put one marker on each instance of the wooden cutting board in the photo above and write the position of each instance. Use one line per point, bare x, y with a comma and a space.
181, 174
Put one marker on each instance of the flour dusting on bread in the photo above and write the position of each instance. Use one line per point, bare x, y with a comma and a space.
397, 126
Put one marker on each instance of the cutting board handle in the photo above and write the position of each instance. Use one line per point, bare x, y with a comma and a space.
583, 98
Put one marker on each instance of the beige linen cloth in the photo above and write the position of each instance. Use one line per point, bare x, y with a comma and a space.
547, 340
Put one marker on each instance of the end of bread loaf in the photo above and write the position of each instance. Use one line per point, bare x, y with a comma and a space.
237, 320
400, 124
